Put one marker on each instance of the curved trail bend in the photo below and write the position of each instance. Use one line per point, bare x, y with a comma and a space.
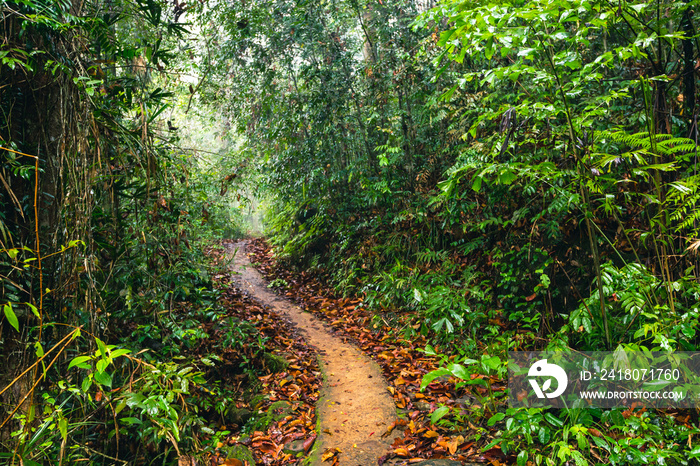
355, 408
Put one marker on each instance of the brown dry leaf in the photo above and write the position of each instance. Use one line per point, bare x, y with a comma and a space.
401, 402
232, 462
309, 442
402, 451
431, 434
412, 427
389, 430
452, 444
268, 447
330, 453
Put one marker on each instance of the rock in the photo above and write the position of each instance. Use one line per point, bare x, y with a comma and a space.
275, 363
295, 447
186, 460
238, 416
279, 410
422, 406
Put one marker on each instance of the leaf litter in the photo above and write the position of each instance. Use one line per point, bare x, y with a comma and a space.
287, 397
403, 363
355, 404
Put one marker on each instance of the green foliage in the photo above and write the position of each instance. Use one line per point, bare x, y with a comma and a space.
503, 172
104, 221
544, 437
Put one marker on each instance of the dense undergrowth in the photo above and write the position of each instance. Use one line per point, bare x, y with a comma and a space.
119, 344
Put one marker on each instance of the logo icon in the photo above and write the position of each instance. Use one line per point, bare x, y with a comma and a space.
542, 368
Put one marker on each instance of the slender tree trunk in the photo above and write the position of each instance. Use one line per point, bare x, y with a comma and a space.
689, 71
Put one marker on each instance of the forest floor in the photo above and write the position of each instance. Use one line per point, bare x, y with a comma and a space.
355, 407
371, 409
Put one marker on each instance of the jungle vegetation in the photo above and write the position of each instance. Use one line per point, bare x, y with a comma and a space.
506, 175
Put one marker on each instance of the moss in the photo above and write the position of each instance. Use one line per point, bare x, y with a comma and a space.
262, 420
238, 416
239, 452
315, 453
279, 409
255, 400
275, 363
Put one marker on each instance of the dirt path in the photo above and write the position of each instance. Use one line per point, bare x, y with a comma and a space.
355, 407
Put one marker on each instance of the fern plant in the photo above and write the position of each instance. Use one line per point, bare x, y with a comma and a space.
683, 198
632, 294
646, 154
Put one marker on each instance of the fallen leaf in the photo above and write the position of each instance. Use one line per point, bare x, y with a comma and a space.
330, 453
309, 442
232, 462
452, 444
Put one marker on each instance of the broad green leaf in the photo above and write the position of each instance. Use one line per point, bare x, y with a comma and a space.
63, 427
79, 361
33, 308
495, 418
432, 375
417, 295
120, 407
119, 352
439, 414
552, 419
101, 346
129, 421
11, 316
492, 362
601, 443
101, 365
506, 177
103, 378
522, 458
476, 186
694, 453
458, 371
87, 383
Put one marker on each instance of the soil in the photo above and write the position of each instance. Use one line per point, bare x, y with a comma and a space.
355, 407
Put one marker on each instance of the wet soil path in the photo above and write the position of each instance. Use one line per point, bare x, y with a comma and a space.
355, 408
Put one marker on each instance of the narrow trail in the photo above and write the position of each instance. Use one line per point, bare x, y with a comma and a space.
355, 408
